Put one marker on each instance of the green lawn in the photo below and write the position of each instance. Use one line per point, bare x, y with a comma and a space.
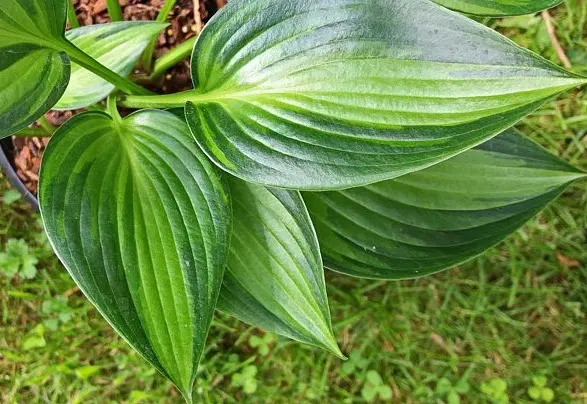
508, 321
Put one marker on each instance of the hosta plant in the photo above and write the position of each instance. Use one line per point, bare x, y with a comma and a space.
369, 137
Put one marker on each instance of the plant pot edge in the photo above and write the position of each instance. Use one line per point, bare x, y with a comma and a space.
7, 166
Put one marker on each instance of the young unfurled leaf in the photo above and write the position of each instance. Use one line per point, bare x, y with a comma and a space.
439, 217
141, 220
117, 46
274, 277
33, 73
333, 94
499, 8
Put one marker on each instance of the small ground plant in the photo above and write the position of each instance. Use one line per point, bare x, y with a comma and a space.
372, 138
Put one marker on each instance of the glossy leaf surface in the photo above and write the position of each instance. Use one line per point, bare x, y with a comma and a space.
117, 46
439, 217
499, 8
332, 94
33, 71
274, 277
141, 220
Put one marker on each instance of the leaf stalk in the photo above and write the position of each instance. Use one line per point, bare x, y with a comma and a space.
89, 63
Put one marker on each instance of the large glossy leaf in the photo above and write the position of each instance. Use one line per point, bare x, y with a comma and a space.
33, 72
117, 46
439, 217
339, 93
274, 278
140, 218
499, 8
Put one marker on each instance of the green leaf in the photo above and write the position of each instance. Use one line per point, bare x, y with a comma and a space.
374, 378
499, 8
141, 220
443, 386
18, 259
547, 394
10, 196
535, 392
274, 277
323, 95
33, 342
117, 46
539, 380
85, 372
385, 393
369, 393
439, 217
33, 71
453, 398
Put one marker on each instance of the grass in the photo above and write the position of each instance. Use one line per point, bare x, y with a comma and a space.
482, 331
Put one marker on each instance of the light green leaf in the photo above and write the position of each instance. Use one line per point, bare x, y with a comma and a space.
539, 380
453, 398
274, 277
322, 95
141, 220
10, 196
31, 34
385, 393
374, 378
85, 372
499, 8
33, 342
116, 45
439, 217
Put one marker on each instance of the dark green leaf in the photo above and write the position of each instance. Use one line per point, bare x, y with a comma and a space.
499, 8
331, 94
274, 278
33, 71
141, 220
439, 217
117, 45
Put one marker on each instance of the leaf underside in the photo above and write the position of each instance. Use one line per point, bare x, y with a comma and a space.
499, 8
274, 277
116, 45
33, 74
140, 219
320, 95
431, 220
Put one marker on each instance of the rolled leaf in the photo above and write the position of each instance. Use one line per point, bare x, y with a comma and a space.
274, 277
33, 74
141, 220
499, 8
441, 216
116, 45
332, 94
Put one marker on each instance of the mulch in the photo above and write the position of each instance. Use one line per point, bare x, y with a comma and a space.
184, 24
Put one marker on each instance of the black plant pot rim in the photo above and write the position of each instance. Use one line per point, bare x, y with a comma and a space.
7, 153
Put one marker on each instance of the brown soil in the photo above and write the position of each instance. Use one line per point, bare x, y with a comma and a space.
184, 24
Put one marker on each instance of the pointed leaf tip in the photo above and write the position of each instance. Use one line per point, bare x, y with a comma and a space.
439, 217
143, 228
274, 278
334, 94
